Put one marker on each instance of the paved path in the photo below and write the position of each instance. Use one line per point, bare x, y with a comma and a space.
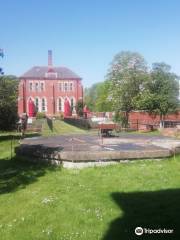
91, 148
128, 141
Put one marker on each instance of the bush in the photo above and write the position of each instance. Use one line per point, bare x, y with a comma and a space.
40, 115
79, 108
121, 118
59, 116
8, 102
78, 122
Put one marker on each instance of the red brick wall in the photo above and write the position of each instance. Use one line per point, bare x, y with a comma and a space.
47, 93
146, 117
140, 120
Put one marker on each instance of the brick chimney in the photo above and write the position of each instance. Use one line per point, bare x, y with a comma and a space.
50, 58
50, 66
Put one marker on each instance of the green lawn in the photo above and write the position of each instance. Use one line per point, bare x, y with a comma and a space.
56, 127
42, 202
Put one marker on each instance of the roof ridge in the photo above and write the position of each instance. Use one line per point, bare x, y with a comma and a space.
40, 72
51, 66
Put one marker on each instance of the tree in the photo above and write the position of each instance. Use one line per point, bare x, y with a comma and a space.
79, 108
91, 95
97, 97
1, 55
160, 94
127, 75
103, 101
8, 102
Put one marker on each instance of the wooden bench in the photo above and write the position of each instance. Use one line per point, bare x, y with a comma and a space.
105, 129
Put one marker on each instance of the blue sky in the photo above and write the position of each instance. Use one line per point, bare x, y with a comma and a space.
85, 35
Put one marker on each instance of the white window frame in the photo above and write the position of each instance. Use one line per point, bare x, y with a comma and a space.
30, 86
42, 84
74, 102
45, 105
71, 87
36, 87
35, 99
62, 104
66, 85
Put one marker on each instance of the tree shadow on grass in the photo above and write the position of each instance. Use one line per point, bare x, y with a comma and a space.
40, 151
17, 173
9, 137
16, 136
50, 124
153, 210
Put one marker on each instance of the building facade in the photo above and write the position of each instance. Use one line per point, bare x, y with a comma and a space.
47, 88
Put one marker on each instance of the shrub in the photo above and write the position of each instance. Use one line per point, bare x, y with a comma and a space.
121, 118
8, 102
79, 108
40, 115
59, 116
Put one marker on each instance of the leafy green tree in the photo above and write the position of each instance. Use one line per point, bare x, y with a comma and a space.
1, 55
160, 93
90, 96
103, 101
97, 97
121, 118
79, 108
8, 102
127, 75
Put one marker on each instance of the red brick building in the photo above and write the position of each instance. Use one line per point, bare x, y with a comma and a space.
47, 88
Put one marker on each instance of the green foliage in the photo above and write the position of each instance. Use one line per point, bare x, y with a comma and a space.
127, 75
103, 101
133, 88
91, 96
121, 118
59, 127
61, 116
8, 102
40, 115
129, 86
97, 97
79, 108
160, 93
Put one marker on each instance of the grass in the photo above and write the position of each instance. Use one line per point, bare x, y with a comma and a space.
59, 127
42, 202
151, 133
56, 127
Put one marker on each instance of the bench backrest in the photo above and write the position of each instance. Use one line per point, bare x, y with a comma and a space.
107, 126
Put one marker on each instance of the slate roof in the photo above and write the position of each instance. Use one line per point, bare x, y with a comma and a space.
41, 72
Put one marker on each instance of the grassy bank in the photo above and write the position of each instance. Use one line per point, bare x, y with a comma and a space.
58, 127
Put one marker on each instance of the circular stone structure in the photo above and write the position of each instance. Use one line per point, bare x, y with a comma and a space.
82, 149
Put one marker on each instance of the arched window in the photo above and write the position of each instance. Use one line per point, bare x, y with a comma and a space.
72, 103
36, 87
37, 104
65, 87
71, 86
43, 105
30, 86
59, 105
42, 86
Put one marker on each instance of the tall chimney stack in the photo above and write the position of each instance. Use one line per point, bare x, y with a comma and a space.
49, 58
